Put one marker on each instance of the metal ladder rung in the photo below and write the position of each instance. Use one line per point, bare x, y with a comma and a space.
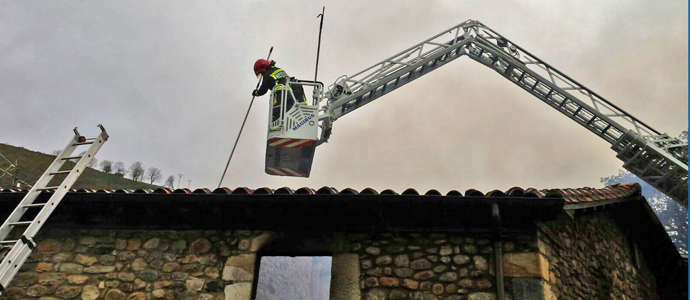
21, 249
21, 223
72, 157
61, 172
49, 188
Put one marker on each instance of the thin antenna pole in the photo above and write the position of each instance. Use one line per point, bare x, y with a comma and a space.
318, 48
243, 122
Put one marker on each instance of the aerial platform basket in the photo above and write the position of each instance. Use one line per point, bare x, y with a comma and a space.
293, 137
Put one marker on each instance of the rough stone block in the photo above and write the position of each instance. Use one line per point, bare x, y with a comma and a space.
239, 268
238, 291
260, 241
527, 289
525, 265
90, 292
345, 277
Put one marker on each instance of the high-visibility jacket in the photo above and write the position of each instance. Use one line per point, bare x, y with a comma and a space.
275, 79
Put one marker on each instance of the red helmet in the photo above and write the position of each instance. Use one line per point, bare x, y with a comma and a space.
260, 66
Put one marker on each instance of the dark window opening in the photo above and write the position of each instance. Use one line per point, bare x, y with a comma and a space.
301, 277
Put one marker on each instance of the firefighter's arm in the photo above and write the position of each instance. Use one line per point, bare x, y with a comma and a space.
266, 84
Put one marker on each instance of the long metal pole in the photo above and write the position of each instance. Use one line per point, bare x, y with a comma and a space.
243, 122
318, 48
496, 224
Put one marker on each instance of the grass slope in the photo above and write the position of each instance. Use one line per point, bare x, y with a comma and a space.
32, 164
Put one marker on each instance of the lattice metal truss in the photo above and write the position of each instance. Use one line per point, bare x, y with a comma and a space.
660, 160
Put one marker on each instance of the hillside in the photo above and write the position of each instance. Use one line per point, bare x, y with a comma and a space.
32, 164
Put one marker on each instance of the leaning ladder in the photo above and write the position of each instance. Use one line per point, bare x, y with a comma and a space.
21, 248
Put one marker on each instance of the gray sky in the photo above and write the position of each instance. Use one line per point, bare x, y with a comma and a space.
171, 81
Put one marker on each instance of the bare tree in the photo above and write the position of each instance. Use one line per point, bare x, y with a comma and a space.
154, 174
107, 166
136, 170
170, 182
119, 168
56, 152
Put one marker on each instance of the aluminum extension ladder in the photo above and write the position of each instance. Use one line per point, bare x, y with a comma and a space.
21, 248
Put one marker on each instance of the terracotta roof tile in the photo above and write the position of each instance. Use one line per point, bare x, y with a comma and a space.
473, 193
578, 195
410, 192
263, 191
368, 191
162, 191
222, 190
432, 193
389, 192
326, 191
454, 193
304, 191
348, 191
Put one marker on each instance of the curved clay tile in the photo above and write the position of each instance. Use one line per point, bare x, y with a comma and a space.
242, 191
496, 193
162, 191
596, 195
326, 191
572, 195
389, 192
263, 191
368, 191
410, 191
182, 191
636, 189
121, 191
432, 193
454, 193
515, 192
69, 191
223, 191
348, 191
304, 191
608, 193
284, 191
532, 192
141, 191
82, 191
201, 191
586, 194
555, 193
473, 193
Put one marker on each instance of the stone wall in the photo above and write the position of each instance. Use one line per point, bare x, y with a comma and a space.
590, 257
139, 265
427, 266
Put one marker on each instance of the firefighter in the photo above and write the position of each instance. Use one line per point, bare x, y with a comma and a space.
276, 79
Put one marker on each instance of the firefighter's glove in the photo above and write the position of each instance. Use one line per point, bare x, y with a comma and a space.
255, 92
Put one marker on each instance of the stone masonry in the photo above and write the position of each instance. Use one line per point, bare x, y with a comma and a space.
426, 266
591, 258
139, 265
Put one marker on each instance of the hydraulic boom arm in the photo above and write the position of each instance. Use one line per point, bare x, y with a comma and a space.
658, 159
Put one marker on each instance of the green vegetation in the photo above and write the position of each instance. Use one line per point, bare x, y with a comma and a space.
32, 164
